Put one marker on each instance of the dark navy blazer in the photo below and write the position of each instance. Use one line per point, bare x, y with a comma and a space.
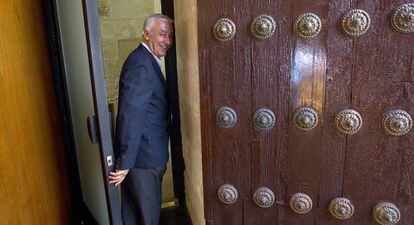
143, 113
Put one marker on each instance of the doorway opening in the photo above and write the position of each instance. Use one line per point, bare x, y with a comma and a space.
120, 27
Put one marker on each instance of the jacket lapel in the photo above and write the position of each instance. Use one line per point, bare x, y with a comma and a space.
158, 69
155, 64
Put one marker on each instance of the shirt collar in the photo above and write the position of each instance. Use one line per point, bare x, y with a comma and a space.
155, 57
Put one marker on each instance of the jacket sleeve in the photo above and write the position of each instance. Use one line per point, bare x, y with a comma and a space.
135, 91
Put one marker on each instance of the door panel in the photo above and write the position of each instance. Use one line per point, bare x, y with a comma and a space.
330, 72
103, 118
307, 89
338, 79
73, 41
381, 81
270, 69
34, 187
230, 87
82, 59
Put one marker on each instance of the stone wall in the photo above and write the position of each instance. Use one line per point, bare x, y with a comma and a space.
188, 84
121, 27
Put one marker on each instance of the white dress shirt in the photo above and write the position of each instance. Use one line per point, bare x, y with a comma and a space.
155, 57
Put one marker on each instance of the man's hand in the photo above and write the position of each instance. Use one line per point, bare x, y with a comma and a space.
117, 177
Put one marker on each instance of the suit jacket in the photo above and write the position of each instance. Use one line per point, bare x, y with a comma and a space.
143, 113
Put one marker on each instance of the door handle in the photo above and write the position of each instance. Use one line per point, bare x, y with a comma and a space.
92, 129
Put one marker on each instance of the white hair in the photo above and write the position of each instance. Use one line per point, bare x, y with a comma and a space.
149, 21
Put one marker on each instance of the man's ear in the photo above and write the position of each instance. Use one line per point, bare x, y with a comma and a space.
146, 35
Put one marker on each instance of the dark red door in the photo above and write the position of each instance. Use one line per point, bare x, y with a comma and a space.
306, 111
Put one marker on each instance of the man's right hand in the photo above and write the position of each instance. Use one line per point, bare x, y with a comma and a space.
117, 177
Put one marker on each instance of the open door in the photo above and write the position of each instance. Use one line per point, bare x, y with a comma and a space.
79, 40
102, 117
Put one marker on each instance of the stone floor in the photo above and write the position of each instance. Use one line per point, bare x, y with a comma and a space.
174, 215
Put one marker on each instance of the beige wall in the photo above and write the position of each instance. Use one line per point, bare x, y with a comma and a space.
121, 26
188, 83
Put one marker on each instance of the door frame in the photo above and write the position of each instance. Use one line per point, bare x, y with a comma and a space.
80, 211
177, 159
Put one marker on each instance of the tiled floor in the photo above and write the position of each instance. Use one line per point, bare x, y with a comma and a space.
174, 216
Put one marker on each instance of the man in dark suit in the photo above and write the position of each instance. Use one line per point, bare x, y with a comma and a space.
142, 125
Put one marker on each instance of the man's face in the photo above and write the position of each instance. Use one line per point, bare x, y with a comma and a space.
159, 39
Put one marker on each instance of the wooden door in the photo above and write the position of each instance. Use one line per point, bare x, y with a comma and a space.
303, 81
34, 186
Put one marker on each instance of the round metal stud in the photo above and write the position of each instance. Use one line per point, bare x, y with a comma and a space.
341, 208
308, 25
305, 118
264, 197
356, 22
397, 122
403, 18
226, 117
228, 194
300, 203
348, 121
224, 29
263, 27
264, 119
386, 213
